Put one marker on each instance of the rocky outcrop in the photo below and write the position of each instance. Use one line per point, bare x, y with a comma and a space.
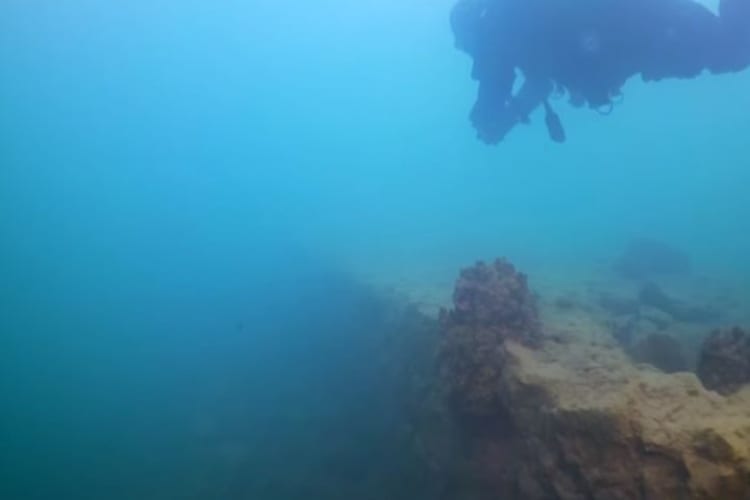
495, 296
492, 303
568, 416
589, 424
724, 363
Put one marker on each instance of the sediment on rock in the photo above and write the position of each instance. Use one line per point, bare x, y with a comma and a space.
569, 416
724, 364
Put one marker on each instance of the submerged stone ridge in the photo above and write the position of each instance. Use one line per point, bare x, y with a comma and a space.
569, 416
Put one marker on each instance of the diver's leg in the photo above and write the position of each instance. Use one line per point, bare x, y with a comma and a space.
496, 113
532, 93
492, 115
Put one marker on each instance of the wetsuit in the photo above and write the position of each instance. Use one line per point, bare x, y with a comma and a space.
589, 48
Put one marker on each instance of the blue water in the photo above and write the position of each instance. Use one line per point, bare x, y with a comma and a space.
190, 191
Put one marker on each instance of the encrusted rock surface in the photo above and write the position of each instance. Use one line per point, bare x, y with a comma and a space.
495, 296
492, 303
567, 415
724, 363
589, 424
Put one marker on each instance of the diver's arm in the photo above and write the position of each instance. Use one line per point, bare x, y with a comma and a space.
532, 93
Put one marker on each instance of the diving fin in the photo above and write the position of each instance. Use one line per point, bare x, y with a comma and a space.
554, 125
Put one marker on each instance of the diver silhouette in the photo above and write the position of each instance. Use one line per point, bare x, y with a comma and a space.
588, 49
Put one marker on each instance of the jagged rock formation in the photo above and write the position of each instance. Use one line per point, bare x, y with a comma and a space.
568, 416
495, 296
724, 364
492, 303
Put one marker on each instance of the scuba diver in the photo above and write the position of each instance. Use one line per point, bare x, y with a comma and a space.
588, 49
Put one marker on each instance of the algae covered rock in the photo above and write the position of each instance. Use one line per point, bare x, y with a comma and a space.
570, 417
596, 426
495, 296
491, 304
724, 364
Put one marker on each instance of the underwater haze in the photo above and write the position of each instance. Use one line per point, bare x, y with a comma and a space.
200, 203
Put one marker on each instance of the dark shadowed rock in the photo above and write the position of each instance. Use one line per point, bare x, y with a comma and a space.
724, 364
653, 296
661, 351
661, 319
646, 258
624, 330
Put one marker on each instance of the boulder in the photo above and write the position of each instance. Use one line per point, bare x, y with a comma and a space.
492, 303
724, 363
